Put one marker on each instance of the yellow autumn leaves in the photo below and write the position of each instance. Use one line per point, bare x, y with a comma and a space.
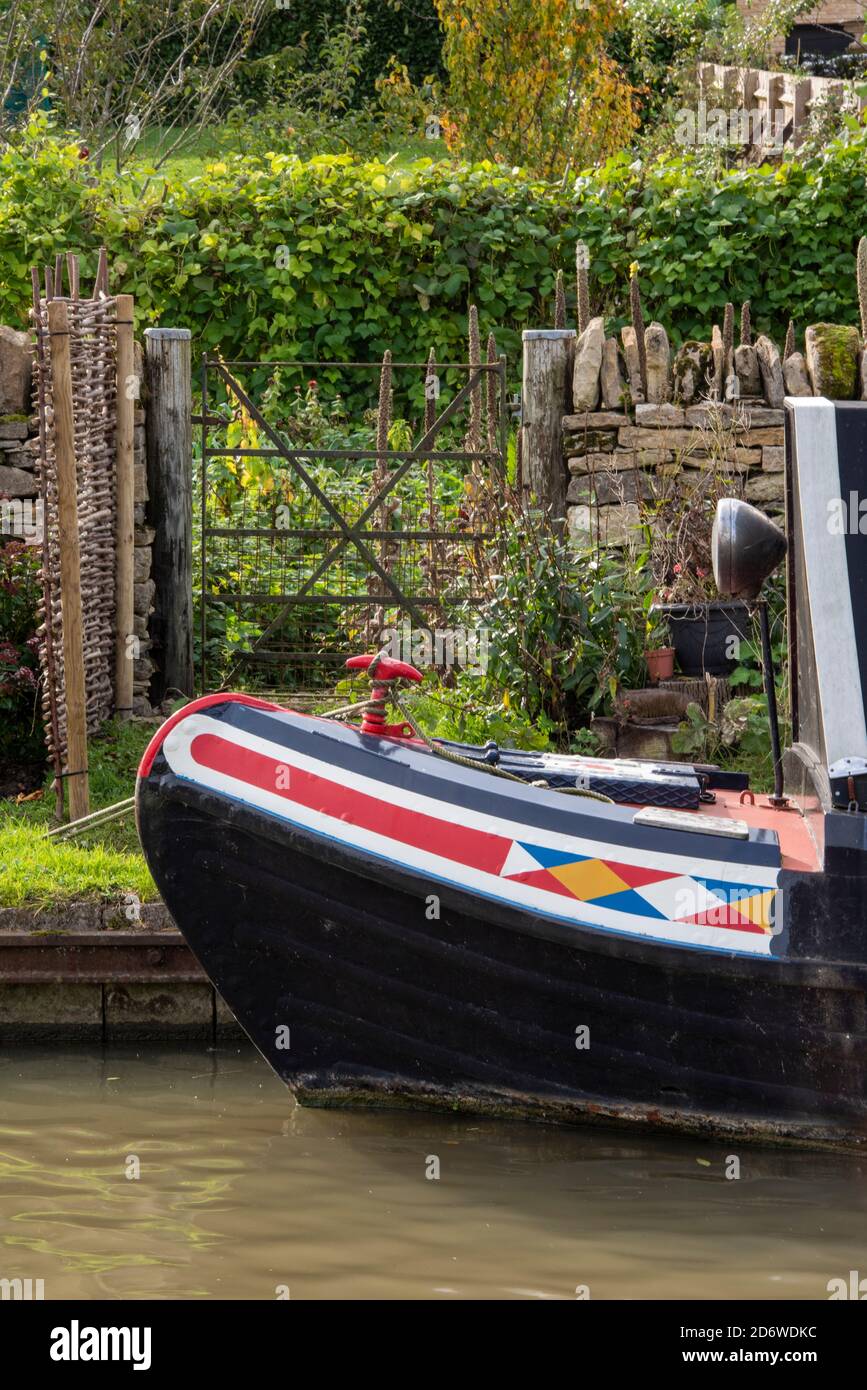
531, 83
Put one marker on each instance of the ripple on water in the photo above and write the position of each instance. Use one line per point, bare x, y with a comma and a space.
241, 1192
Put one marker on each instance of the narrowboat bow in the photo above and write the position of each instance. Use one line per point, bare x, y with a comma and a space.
397, 922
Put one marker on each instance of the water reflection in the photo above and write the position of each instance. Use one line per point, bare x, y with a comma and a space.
241, 1192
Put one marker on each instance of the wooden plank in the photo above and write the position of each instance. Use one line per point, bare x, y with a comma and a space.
70, 563
170, 485
544, 401
127, 394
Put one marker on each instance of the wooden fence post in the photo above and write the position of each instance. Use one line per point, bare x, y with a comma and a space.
124, 518
167, 359
545, 395
70, 563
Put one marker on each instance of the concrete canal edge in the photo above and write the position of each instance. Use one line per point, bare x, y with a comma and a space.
84, 971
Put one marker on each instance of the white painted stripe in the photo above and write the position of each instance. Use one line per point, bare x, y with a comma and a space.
762, 876
680, 897
828, 594
519, 861
177, 748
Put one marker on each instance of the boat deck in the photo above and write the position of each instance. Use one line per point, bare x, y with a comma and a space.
797, 846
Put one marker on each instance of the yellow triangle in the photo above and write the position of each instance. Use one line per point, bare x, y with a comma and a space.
758, 908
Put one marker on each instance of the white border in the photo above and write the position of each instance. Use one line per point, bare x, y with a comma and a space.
829, 598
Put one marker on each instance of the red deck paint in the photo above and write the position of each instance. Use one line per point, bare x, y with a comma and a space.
797, 848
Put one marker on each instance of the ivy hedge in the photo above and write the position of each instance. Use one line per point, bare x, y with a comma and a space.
336, 259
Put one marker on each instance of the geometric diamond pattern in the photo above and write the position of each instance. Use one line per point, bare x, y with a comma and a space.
519, 861
758, 908
541, 878
589, 879
630, 901
552, 858
641, 892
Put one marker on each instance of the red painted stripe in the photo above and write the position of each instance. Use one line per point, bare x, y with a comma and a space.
635, 875
541, 878
478, 849
204, 702
722, 916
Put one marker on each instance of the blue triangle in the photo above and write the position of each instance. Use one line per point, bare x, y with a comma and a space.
551, 858
629, 901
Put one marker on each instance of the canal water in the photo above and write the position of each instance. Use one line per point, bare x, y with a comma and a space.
241, 1194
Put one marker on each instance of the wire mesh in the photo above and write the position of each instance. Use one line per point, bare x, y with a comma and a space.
323, 524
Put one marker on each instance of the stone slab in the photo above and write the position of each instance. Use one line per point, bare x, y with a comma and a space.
56, 1011
16, 482
611, 489
773, 458
590, 441
753, 439
615, 525
140, 483
602, 463
663, 414
767, 487
594, 420
745, 414
16, 359
637, 437
743, 458
136, 1010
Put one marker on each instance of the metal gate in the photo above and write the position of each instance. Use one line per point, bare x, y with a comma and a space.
316, 534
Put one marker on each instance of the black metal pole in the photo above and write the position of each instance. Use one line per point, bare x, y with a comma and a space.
771, 694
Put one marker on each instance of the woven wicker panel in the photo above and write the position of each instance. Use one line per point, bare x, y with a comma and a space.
94, 387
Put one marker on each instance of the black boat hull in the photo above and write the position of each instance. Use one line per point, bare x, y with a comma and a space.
360, 986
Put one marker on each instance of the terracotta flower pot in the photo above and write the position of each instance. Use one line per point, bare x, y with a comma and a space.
660, 664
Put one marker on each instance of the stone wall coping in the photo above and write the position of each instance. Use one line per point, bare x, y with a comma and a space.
94, 915
664, 417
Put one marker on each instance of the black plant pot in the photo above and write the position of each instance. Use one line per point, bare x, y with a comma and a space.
700, 634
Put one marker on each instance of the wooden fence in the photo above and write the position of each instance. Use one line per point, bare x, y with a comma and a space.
772, 108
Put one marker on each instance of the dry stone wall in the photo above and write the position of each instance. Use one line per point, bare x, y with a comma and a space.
645, 422
620, 462
19, 433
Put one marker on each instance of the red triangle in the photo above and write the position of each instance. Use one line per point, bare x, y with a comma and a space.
635, 875
540, 878
723, 916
